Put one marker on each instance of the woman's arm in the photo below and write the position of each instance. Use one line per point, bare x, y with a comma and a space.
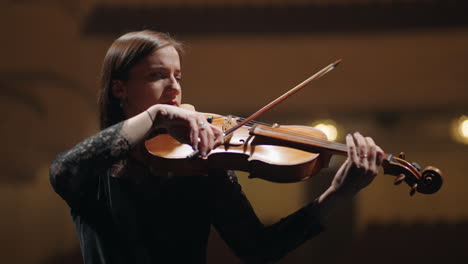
358, 171
73, 172
239, 226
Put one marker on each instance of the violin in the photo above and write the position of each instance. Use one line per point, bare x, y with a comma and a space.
282, 154
277, 153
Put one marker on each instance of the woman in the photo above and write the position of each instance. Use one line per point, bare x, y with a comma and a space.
125, 211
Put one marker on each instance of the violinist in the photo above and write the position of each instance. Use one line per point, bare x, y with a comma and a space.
126, 211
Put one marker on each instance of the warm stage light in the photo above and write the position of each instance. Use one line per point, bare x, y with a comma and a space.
328, 127
464, 128
460, 129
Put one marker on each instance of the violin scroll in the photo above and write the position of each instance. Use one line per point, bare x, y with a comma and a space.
427, 181
431, 180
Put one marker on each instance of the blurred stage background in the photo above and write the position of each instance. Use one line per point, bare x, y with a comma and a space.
403, 81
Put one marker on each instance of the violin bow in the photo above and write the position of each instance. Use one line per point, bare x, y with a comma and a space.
278, 100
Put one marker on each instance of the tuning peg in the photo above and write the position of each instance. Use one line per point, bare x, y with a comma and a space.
413, 189
399, 179
416, 165
402, 155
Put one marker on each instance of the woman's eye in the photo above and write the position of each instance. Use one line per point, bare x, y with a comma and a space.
178, 78
158, 75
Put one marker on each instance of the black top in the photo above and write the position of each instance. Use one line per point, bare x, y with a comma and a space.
163, 219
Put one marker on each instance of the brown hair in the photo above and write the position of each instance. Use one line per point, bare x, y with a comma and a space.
122, 55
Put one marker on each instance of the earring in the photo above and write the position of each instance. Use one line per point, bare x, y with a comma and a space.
121, 104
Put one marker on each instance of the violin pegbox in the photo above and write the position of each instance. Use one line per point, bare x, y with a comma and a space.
427, 181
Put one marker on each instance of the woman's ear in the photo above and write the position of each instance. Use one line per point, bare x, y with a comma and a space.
119, 90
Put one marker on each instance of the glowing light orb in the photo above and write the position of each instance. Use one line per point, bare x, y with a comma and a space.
460, 129
329, 128
464, 128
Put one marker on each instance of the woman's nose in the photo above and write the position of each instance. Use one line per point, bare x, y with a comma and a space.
173, 85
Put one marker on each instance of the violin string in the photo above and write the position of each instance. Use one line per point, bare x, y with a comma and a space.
318, 140
299, 136
253, 121
243, 118
304, 136
312, 140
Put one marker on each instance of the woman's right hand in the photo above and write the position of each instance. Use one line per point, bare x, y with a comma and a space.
187, 126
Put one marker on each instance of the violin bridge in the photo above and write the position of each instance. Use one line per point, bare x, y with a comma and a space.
227, 124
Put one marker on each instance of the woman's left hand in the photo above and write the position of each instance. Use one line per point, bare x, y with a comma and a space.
361, 166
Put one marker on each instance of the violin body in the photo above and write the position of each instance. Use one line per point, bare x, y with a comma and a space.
262, 157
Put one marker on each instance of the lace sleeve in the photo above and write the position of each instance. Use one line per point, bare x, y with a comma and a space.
74, 171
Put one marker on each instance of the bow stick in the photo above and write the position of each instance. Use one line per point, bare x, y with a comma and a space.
278, 100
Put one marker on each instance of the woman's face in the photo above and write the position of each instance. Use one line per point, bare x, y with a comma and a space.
155, 79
